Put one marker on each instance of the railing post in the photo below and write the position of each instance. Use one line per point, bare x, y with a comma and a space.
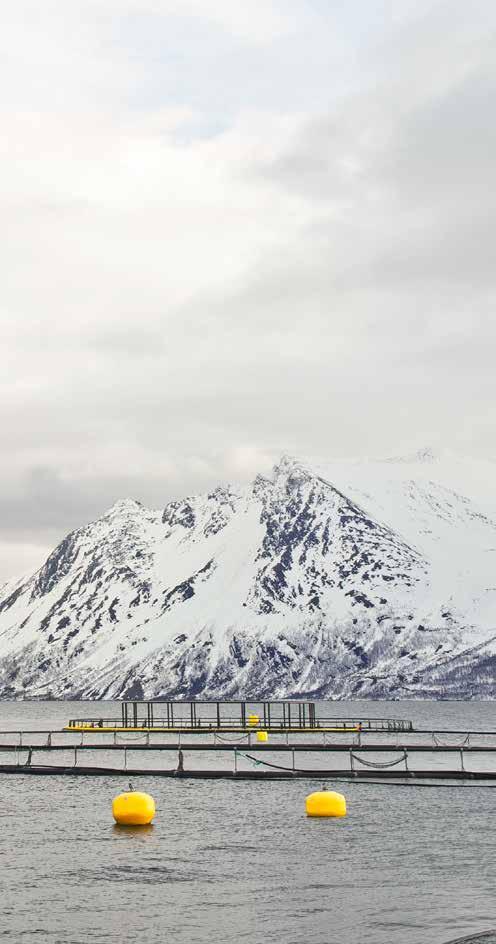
293, 753
462, 760
75, 756
406, 760
352, 768
125, 758
235, 761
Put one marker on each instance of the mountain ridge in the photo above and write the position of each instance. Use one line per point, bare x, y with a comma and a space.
355, 579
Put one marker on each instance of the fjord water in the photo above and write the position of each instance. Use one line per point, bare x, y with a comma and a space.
239, 861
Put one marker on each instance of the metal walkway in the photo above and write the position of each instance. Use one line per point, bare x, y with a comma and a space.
211, 774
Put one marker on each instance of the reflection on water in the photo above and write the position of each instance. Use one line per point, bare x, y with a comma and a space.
240, 862
129, 832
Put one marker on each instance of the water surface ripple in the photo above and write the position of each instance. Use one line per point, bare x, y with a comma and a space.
239, 861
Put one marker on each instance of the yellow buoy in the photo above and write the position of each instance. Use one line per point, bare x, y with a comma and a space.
253, 720
133, 809
325, 803
262, 736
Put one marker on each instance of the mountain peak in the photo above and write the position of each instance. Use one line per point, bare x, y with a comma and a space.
427, 454
290, 467
424, 456
124, 506
285, 465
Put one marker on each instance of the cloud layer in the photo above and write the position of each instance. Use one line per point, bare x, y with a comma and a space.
233, 230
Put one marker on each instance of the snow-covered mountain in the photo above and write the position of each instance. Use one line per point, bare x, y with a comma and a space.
370, 579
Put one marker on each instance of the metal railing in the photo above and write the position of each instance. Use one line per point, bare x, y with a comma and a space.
213, 724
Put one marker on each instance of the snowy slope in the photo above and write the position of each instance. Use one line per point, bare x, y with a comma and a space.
326, 579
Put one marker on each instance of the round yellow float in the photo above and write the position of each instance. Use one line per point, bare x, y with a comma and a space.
325, 803
133, 809
262, 736
253, 720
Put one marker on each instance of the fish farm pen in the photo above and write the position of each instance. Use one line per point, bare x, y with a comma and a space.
201, 716
276, 740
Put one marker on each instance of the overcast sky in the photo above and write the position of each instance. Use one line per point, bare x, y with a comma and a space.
234, 229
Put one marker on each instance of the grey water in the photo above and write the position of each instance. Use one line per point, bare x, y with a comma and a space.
239, 861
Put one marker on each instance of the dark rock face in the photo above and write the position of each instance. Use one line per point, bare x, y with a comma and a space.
57, 566
179, 513
314, 530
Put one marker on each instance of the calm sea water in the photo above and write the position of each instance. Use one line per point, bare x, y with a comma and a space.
239, 861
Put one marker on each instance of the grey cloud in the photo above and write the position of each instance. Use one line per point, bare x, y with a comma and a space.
241, 250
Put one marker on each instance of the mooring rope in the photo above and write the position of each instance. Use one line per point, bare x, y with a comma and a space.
439, 743
327, 739
130, 737
265, 763
411, 782
366, 763
217, 737
379, 764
